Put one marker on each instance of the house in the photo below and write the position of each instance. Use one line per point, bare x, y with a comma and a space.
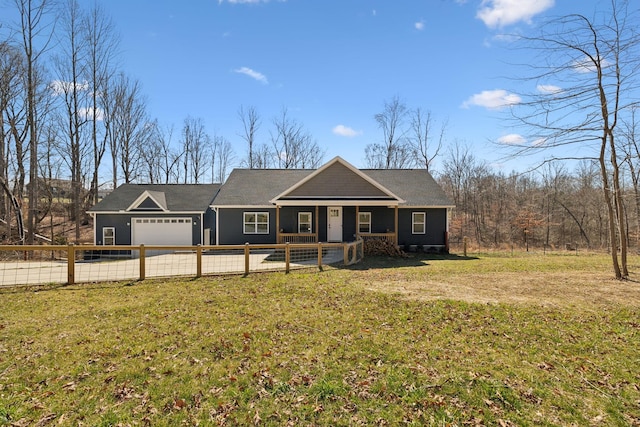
155, 214
334, 203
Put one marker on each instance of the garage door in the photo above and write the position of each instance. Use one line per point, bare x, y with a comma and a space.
162, 231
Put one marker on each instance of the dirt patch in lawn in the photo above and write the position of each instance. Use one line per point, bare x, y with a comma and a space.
542, 288
435, 279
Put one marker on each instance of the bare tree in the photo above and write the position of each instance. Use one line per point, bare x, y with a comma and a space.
630, 146
127, 126
73, 91
393, 152
35, 34
293, 146
250, 125
11, 68
221, 156
102, 44
461, 177
196, 144
424, 144
590, 66
262, 157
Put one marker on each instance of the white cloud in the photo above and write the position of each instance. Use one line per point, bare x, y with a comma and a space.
343, 130
587, 65
500, 13
492, 99
419, 25
549, 89
87, 114
60, 87
512, 139
253, 74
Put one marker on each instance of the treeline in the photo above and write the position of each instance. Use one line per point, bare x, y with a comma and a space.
553, 207
72, 122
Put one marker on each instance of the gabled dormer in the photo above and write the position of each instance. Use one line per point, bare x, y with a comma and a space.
150, 201
337, 181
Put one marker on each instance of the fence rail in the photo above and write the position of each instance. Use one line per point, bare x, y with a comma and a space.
55, 264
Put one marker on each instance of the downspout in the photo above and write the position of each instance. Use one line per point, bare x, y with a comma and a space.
446, 231
95, 235
202, 228
217, 225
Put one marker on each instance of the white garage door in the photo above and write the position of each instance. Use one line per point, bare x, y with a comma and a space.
162, 231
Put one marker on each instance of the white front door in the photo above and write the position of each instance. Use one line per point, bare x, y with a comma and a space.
334, 224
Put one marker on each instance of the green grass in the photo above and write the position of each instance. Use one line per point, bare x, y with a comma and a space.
338, 347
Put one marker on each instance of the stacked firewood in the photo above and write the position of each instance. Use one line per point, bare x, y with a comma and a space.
383, 247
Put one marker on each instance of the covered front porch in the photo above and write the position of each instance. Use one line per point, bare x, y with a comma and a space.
317, 223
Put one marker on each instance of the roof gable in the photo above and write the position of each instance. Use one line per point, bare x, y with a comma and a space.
149, 201
337, 180
131, 198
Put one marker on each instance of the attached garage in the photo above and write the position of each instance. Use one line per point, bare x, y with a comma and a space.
162, 231
156, 215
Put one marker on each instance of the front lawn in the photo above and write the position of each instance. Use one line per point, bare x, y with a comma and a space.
487, 340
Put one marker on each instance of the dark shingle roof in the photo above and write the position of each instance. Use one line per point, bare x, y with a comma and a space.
256, 187
178, 197
415, 186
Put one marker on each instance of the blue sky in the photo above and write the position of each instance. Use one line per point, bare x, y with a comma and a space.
332, 64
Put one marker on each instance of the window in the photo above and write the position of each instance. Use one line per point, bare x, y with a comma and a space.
256, 223
108, 236
418, 222
304, 222
364, 222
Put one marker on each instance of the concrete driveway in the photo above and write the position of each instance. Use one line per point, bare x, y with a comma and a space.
14, 273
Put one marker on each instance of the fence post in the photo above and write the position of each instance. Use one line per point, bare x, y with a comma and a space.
345, 248
320, 255
71, 264
199, 261
287, 257
246, 259
143, 267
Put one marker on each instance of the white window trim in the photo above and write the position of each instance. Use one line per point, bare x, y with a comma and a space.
256, 214
113, 229
368, 223
310, 222
414, 222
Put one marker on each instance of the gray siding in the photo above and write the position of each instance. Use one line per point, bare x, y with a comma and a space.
231, 227
119, 222
210, 222
289, 218
435, 228
348, 224
122, 224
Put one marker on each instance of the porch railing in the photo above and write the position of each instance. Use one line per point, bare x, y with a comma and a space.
297, 238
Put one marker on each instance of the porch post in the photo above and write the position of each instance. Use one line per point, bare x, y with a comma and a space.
317, 224
277, 224
357, 221
396, 225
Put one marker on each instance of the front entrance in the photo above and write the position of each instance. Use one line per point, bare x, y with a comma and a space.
334, 224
